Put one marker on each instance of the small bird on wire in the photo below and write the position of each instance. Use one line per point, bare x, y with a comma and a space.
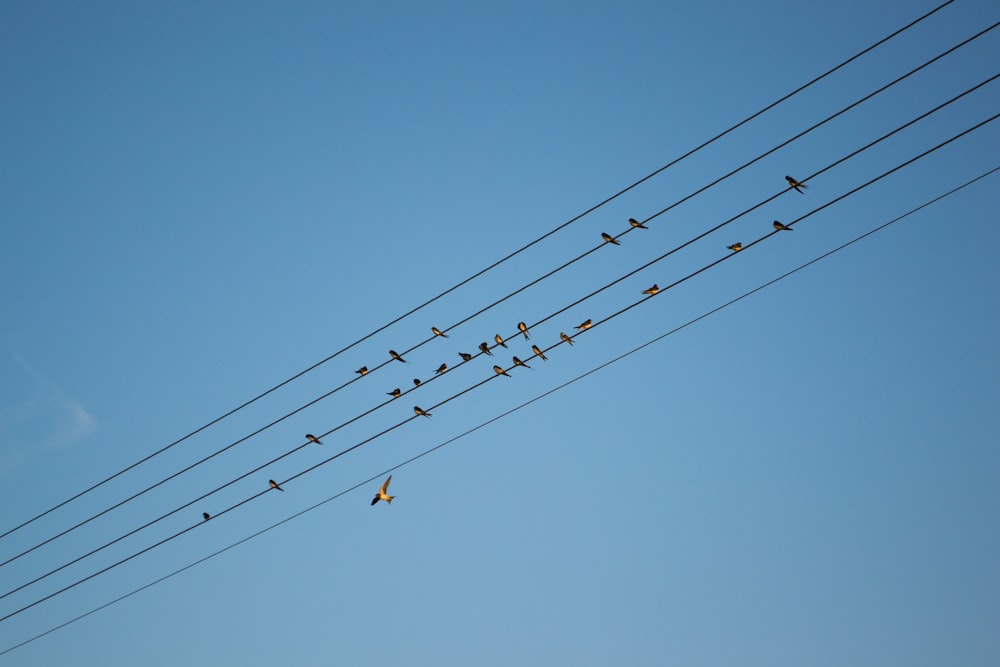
499, 371
636, 223
736, 247
206, 516
539, 353
484, 347
395, 393
608, 238
437, 332
518, 362
795, 184
778, 227
362, 371
383, 493
523, 328
566, 338
655, 289
312, 438
395, 355
274, 485
499, 339
465, 356
584, 325
442, 368
416, 382
418, 411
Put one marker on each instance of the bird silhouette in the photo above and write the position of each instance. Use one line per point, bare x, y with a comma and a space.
499, 341
418, 411
585, 325
781, 228
465, 356
442, 368
523, 328
636, 223
362, 370
795, 184
518, 362
608, 238
736, 247
416, 382
206, 516
539, 353
562, 334
655, 289
312, 438
499, 371
437, 332
395, 393
383, 493
395, 355
274, 485
485, 348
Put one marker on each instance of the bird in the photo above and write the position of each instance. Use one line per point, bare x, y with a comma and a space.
608, 238
312, 438
382, 495
778, 227
523, 328
395, 393
562, 334
518, 362
585, 325
484, 347
465, 356
274, 485
636, 223
736, 247
442, 368
437, 332
795, 184
655, 289
499, 371
418, 411
395, 355
362, 370
499, 341
539, 353
416, 382
206, 516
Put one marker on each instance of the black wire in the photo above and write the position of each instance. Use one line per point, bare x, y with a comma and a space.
490, 378
500, 416
476, 275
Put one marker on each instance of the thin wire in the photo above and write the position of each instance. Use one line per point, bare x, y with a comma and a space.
501, 416
478, 274
493, 377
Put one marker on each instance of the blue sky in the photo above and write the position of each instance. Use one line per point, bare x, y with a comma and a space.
201, 200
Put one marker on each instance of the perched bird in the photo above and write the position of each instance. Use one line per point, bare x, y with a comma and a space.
562, 334
736, 247
395, 355
795, 184
655, 289
206, 516
499, 371
518, 362
437, 332
608, 238
465, 356
416, 382
781, 228
585, 325
382, 493
523, 328
499, 340
362, 370
312, 438
442, 368
485, 348
395, 393
418, 411
636, 223
274, 485
539, 353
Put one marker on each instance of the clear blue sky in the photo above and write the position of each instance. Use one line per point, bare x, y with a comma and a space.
201, 199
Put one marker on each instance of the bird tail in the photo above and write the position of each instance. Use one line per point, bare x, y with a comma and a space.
389, 499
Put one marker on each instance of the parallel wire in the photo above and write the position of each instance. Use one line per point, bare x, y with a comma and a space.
378, 476
493, 377
476, 275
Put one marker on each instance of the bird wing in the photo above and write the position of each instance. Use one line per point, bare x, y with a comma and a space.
385, 485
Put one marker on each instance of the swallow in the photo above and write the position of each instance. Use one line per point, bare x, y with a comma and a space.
795, 184
485, 348
566, 338
206, 516
778, 227
442, 368
395, 393
655, 289
518, 362
523, 328
736, 247
465, 356
274, 485
416, 382
382, 495
395, 355
608, 238
312, 438
636, 223
499, 340
362, 370
539, 353
499, 371
418, 411
585, 325
437, 332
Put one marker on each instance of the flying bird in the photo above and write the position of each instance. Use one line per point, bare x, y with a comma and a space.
418, 411
518, 362
539, 353
274, 485
562, 334
465, 356
781, 228
655, 289
362, 370
442, 368
523, 328
795, 184
585, 325
312, 438
499, 340
395, 393
485, 348
206, 516
636, 223
437, 332
499, 371
395, 355
736, 247
608, 238
382, 493
416, 382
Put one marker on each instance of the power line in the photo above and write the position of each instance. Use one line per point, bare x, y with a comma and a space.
378, 476
482, 382
474, 276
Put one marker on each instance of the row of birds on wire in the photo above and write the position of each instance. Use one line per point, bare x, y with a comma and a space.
485, 347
